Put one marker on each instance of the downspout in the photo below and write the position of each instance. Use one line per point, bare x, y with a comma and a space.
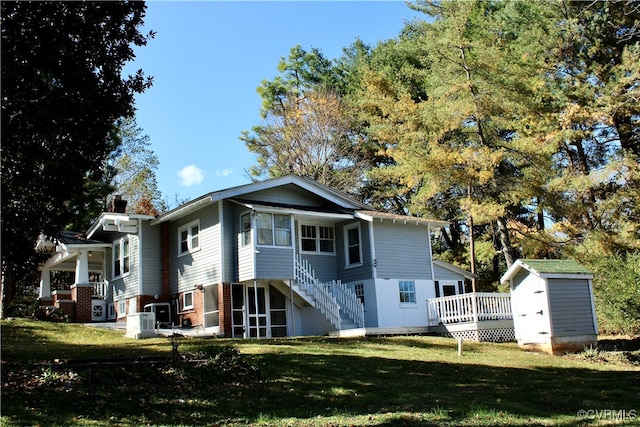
140, 269
222, 240
222, 267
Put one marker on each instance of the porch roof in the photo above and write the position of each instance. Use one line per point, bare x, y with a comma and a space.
371, 215
70, 239
455, 269
117, 222
67, 246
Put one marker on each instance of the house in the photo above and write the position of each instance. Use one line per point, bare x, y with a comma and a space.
283, 257
553, 307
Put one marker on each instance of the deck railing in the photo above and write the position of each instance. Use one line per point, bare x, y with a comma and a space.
471, 307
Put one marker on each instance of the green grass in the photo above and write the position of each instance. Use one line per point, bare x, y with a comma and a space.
319, 381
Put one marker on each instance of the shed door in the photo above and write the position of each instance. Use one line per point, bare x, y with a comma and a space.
534, 319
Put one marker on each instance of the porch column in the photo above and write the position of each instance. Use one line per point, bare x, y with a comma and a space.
45, 283
82, 268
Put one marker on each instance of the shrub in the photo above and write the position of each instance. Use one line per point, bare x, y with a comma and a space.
617, 293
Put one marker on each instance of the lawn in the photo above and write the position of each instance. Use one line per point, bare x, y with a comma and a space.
319, 381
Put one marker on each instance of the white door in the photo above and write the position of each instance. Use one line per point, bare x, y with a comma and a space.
534, 318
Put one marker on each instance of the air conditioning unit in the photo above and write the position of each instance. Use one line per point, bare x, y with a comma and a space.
162, 311
141, 325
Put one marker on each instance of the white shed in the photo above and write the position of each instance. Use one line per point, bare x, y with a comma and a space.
552, 303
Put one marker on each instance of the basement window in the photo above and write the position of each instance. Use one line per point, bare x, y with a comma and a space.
187, 301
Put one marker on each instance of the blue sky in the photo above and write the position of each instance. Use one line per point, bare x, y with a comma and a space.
207, 60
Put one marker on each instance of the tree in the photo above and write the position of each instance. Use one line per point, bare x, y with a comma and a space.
62, 92
306, 131
449, 105
131, 170
595, 88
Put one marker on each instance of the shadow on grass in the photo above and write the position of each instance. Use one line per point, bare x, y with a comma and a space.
48, 341
307, 386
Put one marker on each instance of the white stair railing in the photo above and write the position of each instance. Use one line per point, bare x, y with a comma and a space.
323, 298
349, 302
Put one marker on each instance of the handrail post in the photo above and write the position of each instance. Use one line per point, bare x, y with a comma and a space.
474, 304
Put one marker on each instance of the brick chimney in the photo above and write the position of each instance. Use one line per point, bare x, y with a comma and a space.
117, 204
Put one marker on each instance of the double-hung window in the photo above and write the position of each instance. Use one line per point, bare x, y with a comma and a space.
122, 308
317, 239
353, 245
273, 229
407, 290
120, 257
189, 238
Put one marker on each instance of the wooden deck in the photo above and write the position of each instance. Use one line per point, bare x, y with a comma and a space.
476, 316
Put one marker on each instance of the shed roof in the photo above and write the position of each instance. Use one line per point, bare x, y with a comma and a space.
547, 268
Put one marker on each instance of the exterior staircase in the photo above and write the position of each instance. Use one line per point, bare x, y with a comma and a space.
335, 300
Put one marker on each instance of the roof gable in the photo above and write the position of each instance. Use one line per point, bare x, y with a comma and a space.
252, 191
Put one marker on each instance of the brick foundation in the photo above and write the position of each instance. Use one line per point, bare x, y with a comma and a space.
68, 307
193, 316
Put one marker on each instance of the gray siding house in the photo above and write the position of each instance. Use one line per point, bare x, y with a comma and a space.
282, 257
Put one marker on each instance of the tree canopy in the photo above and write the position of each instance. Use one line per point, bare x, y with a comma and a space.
131, 170
63, 90
517, 121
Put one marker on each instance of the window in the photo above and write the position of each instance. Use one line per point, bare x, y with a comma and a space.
407, 291
189, 238
245, 226
317, 238
122, 308
448, 290
187, 300
359, 290
273, 229
353, 246
120, 257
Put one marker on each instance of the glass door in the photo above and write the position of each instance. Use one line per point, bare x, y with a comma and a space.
257, 318
237, 311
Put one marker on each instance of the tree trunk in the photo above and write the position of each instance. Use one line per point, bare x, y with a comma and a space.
7, 293
505, 241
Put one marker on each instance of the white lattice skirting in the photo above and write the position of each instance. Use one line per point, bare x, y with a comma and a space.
484, 335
